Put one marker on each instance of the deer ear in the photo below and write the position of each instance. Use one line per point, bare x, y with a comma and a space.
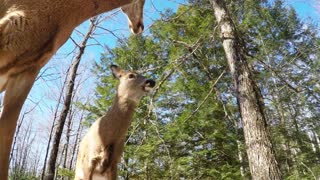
116, 71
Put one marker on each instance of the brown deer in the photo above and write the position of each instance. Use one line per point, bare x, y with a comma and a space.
31, 31
102, 146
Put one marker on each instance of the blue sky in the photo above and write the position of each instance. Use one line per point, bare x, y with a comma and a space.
306, 9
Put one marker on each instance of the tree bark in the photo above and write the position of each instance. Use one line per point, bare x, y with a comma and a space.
68, 133
77, 140
261, 156
66, 106
316, 144
52, 126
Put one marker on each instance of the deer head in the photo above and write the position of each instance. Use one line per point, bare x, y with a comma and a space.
134, 12
132, 86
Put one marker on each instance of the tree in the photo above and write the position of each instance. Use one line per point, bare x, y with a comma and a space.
262, 159
53, 125
283, 50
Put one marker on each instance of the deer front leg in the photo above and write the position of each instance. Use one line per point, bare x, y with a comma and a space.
115, 156
89, 167
17, 89
88, 173
83, 171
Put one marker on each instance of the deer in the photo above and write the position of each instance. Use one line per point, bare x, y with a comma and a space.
31, 31
102, 146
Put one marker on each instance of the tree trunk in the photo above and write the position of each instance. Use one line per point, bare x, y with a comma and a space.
52, 127
68, 133
66, 106
261, 156
316, 144
77, 139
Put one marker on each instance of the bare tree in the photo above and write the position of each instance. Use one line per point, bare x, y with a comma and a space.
68, 134
23, 149
262, 161
20, 122
50, 172
76, 142
53, 125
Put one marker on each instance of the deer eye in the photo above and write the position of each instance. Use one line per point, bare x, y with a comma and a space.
132, 76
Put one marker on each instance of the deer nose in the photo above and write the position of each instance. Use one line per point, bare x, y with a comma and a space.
150, 83
141, 26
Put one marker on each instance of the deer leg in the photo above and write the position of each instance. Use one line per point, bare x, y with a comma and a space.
3, 82
88, 173
89, 169
112, 172
6, 57
115, 156
17, 89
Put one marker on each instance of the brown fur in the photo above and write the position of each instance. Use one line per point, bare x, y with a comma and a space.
101, 148
31, 31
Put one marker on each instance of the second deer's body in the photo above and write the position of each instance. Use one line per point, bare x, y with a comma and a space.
101, 148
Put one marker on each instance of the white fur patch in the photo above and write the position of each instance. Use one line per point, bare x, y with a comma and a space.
98, 177
79, 174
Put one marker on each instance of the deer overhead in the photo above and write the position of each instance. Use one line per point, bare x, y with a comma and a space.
31, 31
102, 146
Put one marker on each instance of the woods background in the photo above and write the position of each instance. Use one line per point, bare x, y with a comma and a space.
190, 127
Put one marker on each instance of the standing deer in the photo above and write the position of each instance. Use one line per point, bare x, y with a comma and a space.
102, 146
31, 31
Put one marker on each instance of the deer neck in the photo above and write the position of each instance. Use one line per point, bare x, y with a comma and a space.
122, 110
116, 122
84, 9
